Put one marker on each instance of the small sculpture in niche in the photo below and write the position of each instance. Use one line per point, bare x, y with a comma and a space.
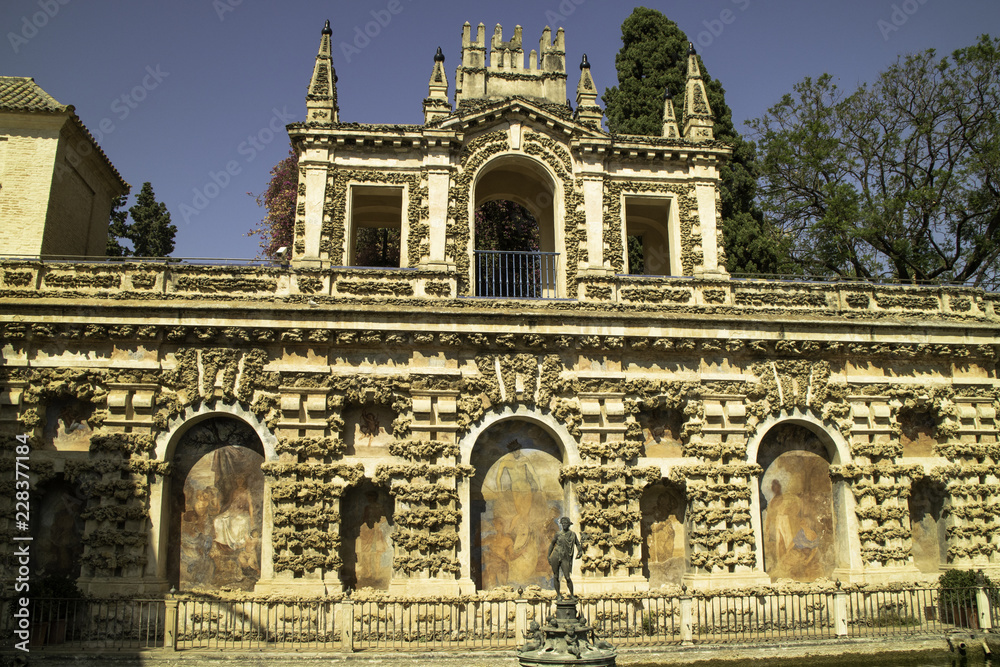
561, 549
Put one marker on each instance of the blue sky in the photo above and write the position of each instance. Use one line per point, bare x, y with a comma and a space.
176, 91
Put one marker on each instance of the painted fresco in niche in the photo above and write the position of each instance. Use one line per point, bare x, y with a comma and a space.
916, 433
368, 430
796, 505
218, 507
366, 547
58, 527
663, 534
661, 433
516, 501
927, 526
66, 427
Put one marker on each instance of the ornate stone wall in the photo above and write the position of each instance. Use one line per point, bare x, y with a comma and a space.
398, 394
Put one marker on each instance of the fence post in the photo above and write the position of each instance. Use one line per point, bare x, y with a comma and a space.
170, 625
983, 603
687, 619
347, 625
520, 619
840, 610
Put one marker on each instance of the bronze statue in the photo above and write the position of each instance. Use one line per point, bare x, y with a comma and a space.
561, 555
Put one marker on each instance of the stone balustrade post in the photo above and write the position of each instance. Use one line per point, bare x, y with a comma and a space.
983, 603
520, 619
170, 625
840, 611
687, 620
347, 625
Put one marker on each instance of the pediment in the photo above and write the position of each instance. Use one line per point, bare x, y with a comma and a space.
550, 119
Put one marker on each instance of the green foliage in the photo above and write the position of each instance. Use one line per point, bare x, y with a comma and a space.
504, 225
377, 246
653, 60
150, 231
897, 180
277, 228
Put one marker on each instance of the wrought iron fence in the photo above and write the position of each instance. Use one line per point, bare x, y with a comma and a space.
257, 625
756, 618
516, 275
481, 623
116, 625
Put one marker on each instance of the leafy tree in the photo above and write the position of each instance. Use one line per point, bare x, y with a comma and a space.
276, 229
505, 225
377, 246
150, 231
652, 61
899, 179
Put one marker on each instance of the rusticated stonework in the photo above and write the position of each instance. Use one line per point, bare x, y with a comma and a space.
312, 427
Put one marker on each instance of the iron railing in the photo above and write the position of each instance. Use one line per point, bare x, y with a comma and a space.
516, 275
482, 623
108, 625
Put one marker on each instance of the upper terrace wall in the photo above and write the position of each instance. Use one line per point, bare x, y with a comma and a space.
846, 301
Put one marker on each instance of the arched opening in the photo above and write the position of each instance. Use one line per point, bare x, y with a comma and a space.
365, 544
216, 506
927, 525
664, 538
515, 235
797, 504
516, 500
57, 529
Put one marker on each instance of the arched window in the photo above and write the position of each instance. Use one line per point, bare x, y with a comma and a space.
516, 240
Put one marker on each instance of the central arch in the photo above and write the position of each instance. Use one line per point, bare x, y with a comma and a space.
515, 498
528, 182
802, 518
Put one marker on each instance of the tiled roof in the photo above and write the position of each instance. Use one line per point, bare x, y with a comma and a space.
21, 93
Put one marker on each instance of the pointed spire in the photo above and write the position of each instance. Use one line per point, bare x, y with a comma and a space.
669, 117
587, 111
436, 105
321, 101
698, 117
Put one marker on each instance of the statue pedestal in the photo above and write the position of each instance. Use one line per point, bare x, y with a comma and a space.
566, 639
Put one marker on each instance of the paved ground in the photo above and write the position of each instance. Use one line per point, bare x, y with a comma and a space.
841, 653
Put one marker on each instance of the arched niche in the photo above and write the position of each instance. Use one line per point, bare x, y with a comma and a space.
366, 544
801, 515
57, 528
515, 500
664, 535
214, 506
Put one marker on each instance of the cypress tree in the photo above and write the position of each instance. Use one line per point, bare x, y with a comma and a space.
150, 231
653, 59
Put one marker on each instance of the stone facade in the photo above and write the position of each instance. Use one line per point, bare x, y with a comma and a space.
315, 426
57, 184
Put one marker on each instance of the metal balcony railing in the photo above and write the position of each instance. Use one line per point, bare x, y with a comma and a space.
516, 275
